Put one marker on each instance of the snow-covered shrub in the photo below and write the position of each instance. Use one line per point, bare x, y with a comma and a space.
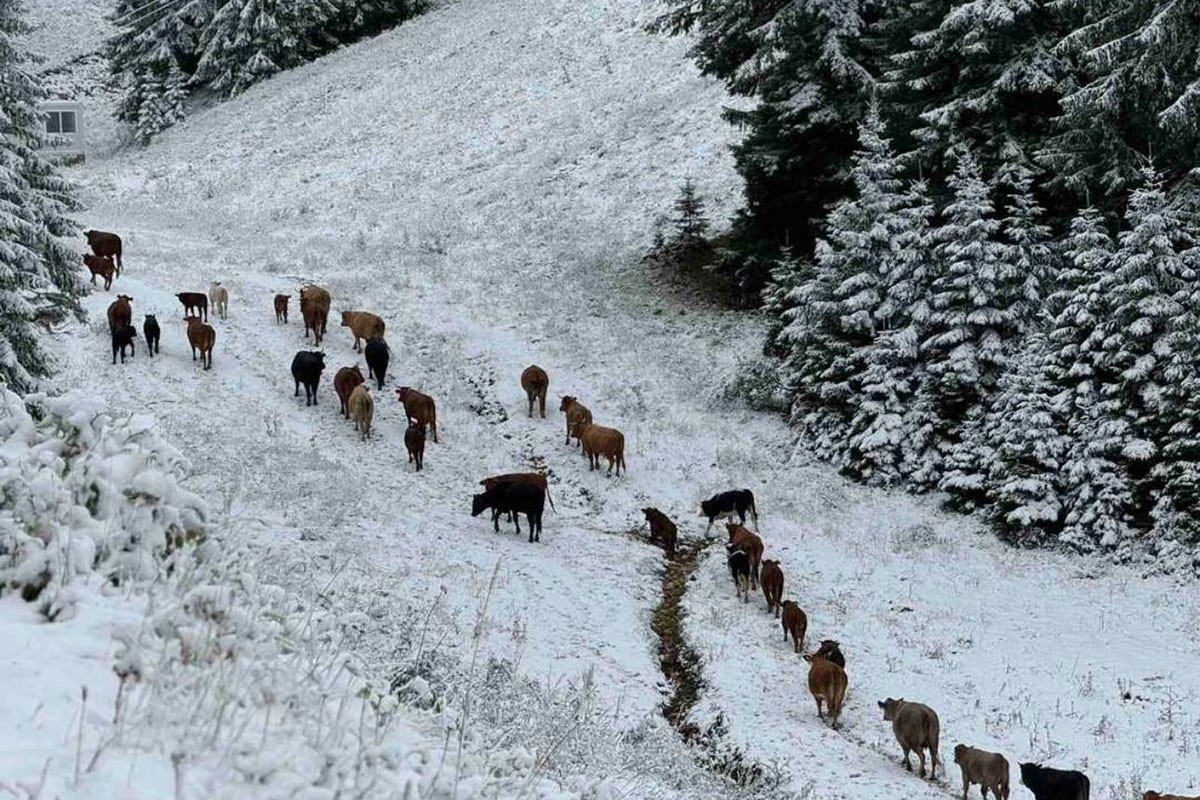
759, 385
86, 490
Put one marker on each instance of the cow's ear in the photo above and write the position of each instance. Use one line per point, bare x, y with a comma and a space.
881, 704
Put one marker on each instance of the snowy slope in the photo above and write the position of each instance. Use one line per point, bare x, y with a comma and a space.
484, 179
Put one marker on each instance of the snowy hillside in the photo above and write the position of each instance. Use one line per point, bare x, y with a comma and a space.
484, 178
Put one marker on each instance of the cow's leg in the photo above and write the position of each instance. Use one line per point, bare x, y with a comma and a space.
921, 759
496, 519
297, 392
820, 709
907, 763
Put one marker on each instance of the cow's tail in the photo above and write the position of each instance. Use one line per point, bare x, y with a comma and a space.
753, 507
1085, 791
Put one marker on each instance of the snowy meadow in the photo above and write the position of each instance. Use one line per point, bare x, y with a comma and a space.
240, 598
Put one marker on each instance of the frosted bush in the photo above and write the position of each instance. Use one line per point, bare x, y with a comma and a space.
86, 491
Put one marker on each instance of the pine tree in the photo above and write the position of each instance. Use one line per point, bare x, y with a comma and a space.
807, 66
1028, 441
690, 222
1137, 91
838, 306
39, 277
970, 326
1080, 305
1027, 256
983, 76
153, 37
358, 18
250, 40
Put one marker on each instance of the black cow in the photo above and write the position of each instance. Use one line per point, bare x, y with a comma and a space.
377, 353
194, 302
1055, 784
739, 569
832, 651
514, 498
307, 367
151, 331
737, 501
123, 337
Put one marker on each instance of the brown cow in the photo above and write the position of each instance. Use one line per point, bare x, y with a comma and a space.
120, 313
362, 408
281, 307
194, 302
419, 407
772, 585
314, 308
364, 325
577, 414
102, 266
344, 382
795, 622
1156, 796
535, 382
827, 683
414, 442
532, 478
989, 770
201, 337
742, 537
105, 244
662, 529
598, 441
916, 727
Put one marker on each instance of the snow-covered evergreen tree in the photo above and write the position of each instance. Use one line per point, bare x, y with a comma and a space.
970, 325
1027, 257
1028, 442
358, 18
886, 421
1138, 91
808, 67
250, 40
837, 308
39, 274
984, 76
144, 60
689, 220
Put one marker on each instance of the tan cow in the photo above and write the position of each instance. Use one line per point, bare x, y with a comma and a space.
364, 325
535, 382
743, 538
201, 337
218, 298
577, 414
989, 770
916, 727
772, 585
795, 622
362, 409
419, 407
598, 441
827, 683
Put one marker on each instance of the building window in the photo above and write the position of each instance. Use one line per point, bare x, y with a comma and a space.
60, 122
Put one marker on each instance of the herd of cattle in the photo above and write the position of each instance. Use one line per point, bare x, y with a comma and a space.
916, 726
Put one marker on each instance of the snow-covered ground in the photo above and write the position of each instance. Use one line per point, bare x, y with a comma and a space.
484, 178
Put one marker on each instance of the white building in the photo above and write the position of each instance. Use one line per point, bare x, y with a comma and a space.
63, 131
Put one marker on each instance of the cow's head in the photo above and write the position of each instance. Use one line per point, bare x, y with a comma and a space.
890, 707
478, 504
567, 402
